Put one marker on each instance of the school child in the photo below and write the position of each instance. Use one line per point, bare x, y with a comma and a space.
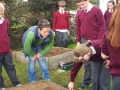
61, 25
91, 51
5, 56
110, 48
90, 25
37, 41
109, 11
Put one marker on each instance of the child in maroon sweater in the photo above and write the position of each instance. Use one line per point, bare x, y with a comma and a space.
111, 47
92, 51
90, 25
109, 11
5, 57
61, 25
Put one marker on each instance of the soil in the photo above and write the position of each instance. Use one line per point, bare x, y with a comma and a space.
57, 51
40, 85
54, 51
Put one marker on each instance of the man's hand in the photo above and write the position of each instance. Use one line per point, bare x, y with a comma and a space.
38, 55
35, 58
71, 85
54, 33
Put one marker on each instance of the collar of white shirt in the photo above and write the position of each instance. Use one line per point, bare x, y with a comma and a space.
110, 10
62, 12
89, 7
93, 50
1, 20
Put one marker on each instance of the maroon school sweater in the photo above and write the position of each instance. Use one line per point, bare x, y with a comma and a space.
4, 38
108, 50
90, 25
96, 58
61, 21
107, 16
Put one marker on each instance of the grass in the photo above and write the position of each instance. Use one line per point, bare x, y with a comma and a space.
59, 78
72, 46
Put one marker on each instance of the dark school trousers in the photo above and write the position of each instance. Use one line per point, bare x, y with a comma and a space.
62, 39
101, 77
88, 66
116, 83
6, 61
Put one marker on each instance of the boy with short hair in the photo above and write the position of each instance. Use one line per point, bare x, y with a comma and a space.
5, 57
61, 25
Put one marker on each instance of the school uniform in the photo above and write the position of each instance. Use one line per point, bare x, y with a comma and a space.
90, 25
101, 77
107, 16
108, 50
61, 26
5, 56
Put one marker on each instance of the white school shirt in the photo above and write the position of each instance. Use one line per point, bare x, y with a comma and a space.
1, 20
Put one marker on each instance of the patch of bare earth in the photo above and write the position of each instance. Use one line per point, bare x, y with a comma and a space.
57, 51
40, 85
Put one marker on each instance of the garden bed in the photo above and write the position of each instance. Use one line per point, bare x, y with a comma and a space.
53, 58
40, 85
57, 51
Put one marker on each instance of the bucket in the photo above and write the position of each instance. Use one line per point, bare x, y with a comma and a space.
68, 66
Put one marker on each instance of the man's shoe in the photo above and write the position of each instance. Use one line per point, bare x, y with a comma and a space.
2, 88
84, 85
18, 85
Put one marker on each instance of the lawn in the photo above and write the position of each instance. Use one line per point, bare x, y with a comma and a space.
59, 78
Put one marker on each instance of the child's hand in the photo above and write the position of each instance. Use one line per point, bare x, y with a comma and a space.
104, 56
78, 43
84, 58
71, 85
107, 63
68, 33
87, 57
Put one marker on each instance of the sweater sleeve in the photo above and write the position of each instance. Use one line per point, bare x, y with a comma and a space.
54, 22
78, 24
101, 23
48, 47
104, 48
105, 15
28, 42
68, 23
76, 67
8, 25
